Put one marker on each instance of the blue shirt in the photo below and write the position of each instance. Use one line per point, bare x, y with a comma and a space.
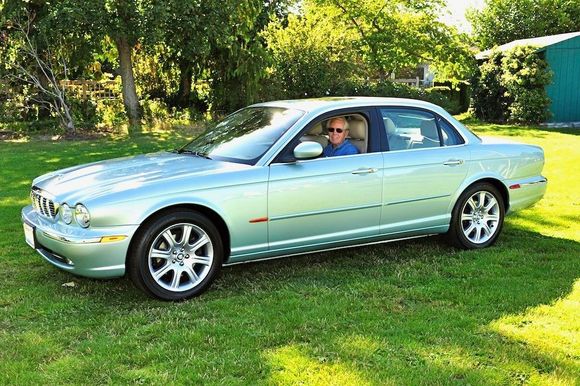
345, 148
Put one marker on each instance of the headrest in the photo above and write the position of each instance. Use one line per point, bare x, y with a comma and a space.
429, 129
390, 125
357, 129
316, 130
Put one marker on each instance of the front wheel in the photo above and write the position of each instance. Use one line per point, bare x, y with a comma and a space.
477, 218
176, 256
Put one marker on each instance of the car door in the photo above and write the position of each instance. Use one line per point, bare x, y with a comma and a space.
325, 201
425, 164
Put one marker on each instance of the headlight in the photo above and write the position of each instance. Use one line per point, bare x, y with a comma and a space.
66, 213
82, 215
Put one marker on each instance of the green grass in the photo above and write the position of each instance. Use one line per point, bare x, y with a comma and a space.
413, 312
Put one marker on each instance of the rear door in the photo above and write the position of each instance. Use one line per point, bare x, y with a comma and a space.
424, 165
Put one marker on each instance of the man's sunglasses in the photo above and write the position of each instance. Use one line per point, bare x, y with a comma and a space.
333, 129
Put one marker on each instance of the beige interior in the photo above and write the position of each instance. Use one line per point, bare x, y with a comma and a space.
358, 129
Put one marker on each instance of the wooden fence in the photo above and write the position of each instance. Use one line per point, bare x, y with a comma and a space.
413, 82
92, 89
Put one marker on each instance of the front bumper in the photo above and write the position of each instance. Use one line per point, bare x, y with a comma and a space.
80, 250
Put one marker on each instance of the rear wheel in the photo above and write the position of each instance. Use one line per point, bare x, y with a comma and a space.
477, 218
176, 256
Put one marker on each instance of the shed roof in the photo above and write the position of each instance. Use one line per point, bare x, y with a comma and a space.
541, 42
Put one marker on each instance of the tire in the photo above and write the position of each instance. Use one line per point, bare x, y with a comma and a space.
476, 224
176, 256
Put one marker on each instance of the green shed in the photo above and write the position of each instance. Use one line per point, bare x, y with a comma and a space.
562, 52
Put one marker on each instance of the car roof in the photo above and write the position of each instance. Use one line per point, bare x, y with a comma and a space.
323, 104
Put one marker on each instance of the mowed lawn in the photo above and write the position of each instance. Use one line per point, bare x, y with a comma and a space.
413, 312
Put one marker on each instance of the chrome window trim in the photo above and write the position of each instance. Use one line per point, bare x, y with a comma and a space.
425, 148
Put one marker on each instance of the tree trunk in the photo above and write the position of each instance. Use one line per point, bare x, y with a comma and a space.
185, 75
130, 99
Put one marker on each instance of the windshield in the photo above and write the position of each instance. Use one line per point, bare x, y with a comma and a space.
245, 135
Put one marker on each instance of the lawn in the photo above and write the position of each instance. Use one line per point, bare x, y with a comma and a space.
413, 312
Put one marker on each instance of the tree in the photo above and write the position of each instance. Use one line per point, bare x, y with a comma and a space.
124, 22
377, 37
238, 57
43, 70
502, 21
310, 55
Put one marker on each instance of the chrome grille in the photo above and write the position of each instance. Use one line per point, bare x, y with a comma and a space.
42, 204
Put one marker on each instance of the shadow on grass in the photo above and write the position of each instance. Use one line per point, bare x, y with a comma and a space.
398, 312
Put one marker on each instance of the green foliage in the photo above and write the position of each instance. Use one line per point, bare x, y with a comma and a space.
398, 34
502, 21
239, 54
525, 75
310, 55
331, 46
219, 55
489, 101
511, 86
110, 113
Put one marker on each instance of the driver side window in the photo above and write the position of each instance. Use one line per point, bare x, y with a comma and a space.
355, 135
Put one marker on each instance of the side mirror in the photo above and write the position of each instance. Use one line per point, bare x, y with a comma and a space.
307, 150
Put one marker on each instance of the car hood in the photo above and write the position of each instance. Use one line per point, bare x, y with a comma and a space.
90, 181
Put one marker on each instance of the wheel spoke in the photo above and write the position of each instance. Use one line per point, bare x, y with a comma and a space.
186, 234
203, 260
491, 217
467, 217
162, 271
169, 238
471, 204
481, 199
486, 229
203, 240
159, 254
491, 205
176, 279
191, 273
468, 231
477, 234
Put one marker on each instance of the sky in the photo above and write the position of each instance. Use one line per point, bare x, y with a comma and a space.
456, 13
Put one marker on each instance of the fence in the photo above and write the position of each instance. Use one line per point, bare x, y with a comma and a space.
92, 89
413, 82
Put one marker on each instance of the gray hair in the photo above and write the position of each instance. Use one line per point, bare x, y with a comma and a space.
339, 118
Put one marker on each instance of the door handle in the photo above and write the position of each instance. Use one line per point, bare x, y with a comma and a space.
453, 162
365, 171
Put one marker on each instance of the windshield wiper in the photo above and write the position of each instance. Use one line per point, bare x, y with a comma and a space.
195, 153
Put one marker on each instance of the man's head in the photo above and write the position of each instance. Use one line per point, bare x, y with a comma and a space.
337, 130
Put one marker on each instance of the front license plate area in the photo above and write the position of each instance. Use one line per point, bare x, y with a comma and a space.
29, 235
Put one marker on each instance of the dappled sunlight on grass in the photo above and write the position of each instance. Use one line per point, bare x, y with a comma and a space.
551, 329
291, 366
411, 312
360, 345
453, 357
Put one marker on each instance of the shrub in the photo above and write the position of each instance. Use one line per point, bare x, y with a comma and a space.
488, 95
524, 76
510, 86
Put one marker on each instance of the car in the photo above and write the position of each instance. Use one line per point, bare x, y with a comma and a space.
257, 187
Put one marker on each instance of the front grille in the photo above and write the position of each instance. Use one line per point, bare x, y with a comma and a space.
42, 204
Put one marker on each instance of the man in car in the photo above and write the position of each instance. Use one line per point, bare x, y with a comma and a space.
337, 131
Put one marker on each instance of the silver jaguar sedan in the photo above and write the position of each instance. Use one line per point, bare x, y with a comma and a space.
272, 180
